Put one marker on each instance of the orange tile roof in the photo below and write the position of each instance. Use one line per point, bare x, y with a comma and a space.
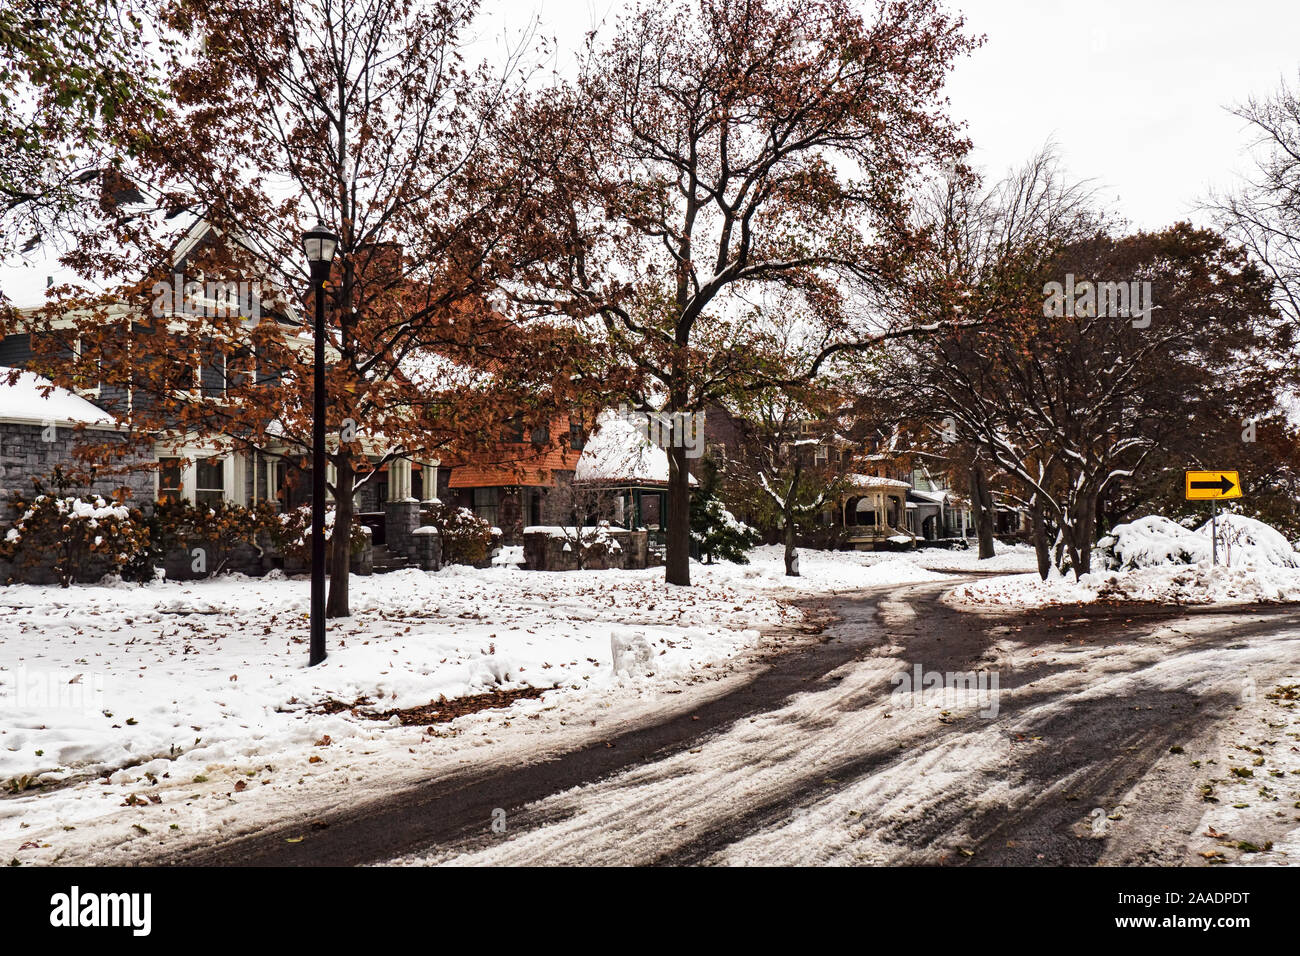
517, 463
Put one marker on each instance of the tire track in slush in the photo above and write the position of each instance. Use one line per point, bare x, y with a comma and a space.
766, 772
1101, 746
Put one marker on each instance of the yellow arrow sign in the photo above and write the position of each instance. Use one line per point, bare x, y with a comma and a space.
1211, 485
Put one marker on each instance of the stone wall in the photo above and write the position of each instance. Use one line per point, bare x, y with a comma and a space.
551, 551
33, 451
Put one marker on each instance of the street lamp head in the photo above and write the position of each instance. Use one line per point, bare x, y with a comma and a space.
319, 244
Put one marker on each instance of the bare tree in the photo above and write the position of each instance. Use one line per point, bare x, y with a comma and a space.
1263, 212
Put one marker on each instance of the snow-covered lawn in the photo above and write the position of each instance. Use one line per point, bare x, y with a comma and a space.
98, 678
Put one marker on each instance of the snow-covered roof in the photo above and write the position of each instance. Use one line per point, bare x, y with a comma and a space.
35, 400
431, 371
24, 283
864, 482
935, 497
619, 451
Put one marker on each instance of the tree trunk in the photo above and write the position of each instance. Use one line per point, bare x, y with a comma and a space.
787, 514
1081, 536
1039, 533
791, 555
982, 506
677, 559
341, 541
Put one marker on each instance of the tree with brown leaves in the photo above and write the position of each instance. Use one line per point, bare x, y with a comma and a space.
360, 115
715, 157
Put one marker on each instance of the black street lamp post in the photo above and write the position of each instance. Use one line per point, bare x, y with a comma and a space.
319, 245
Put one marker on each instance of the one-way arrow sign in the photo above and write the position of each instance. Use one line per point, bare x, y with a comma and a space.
1212, 485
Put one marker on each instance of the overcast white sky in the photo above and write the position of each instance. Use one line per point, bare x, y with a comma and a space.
1134, 92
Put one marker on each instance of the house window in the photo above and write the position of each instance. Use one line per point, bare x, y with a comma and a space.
485, 504
540, 435
821, 455
182, 373
209, 482
512, 433
169, 479
577, 440
212, 377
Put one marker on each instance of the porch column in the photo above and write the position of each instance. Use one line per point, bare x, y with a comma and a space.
269, 467
399, 479
430, 472
238, 491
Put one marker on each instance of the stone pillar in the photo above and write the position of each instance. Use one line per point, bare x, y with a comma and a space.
401, 518
427, 544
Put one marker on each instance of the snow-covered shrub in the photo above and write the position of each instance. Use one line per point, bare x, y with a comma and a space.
1151, 541
1245, 540
219, 529
466, 538
291, 533
718, 533
86, 535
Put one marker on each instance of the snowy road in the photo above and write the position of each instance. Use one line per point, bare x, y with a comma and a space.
1108, 723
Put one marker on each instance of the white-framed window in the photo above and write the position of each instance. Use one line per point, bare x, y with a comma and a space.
209, 481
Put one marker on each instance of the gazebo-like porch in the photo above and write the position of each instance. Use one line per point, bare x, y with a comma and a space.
874, 512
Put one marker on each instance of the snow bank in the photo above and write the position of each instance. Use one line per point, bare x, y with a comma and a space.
1155, 540
1155, 559
1245, 540
1200, 583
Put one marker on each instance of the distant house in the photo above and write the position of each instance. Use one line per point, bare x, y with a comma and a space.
621, 460
873, 512
511, 484
197, 469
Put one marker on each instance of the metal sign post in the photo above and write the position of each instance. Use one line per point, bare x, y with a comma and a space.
1214, 531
